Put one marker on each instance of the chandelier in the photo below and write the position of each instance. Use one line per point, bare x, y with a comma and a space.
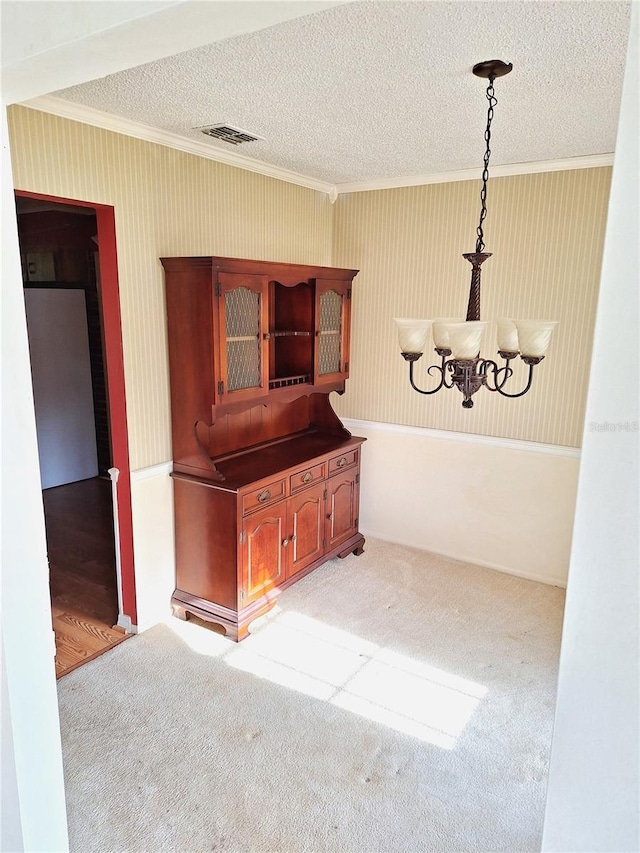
458, 342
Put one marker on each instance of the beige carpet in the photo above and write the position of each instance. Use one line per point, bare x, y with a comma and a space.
395, 701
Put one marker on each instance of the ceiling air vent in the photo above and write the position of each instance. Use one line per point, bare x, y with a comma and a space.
229, 134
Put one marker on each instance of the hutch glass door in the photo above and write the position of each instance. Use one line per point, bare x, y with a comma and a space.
242, 318
332, 328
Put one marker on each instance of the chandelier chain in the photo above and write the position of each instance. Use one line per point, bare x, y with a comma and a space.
485, 172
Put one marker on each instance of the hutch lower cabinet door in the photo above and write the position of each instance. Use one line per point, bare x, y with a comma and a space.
306, 525
342, 507
279, 541
263, 540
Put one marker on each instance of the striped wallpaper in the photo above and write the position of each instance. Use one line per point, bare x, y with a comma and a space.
546, 233
166, 203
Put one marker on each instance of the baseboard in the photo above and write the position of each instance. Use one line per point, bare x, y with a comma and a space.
126, 624
465, 558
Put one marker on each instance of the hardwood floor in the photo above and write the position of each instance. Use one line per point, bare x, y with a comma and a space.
84, 598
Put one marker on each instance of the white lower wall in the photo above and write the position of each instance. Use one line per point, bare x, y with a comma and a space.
153, 542
506, 505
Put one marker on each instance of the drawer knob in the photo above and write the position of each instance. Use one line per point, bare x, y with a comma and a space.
264, 496
342, 462
308, 477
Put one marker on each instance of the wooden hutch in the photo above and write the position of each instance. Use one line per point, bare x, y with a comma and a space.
266, 477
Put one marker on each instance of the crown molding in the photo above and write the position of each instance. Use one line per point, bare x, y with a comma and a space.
128, 127
118, 124
591, 161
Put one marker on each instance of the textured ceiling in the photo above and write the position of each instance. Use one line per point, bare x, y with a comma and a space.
382, 90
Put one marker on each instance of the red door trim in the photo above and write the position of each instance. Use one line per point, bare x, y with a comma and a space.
114, 363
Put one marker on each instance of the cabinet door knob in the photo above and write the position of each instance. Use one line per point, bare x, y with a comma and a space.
264, 496
308, 477
285, 542
342, 462
330, 516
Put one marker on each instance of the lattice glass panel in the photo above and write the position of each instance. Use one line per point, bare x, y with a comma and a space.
329, 353
242, 313
330, 311
243, 365
330, 332
242, 321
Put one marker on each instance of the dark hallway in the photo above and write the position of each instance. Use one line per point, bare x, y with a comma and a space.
84, 600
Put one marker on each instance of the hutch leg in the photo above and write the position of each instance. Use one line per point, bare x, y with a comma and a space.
237, 633
356, 548
179, 612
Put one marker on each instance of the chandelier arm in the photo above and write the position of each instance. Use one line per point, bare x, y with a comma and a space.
440, 370
432, 367
521, 393
489, 365
447, 365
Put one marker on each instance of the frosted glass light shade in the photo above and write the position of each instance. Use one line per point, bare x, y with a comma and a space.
466, 338
412, 334
507, 336
440, 332
534, 336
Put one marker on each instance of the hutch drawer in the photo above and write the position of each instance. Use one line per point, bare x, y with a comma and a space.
264, 496
344, 460
305, 478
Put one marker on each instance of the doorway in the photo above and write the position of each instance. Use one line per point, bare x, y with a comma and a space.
71, 296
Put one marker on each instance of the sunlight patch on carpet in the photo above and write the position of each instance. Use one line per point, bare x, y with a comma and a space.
326, 663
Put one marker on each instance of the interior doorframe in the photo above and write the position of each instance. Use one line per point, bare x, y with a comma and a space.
116, 395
